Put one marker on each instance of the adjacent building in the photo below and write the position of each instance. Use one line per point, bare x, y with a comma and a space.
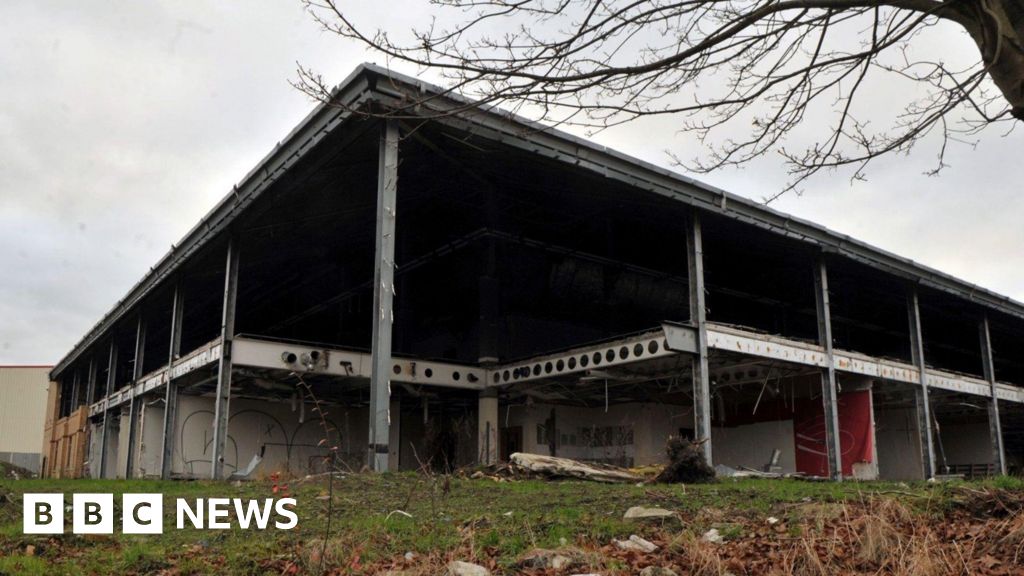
23, 391
410, 279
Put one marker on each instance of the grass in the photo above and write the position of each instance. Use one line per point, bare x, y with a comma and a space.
450, 517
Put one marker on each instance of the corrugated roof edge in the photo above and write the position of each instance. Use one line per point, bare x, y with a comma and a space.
363, 71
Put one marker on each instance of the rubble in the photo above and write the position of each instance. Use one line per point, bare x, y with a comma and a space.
713, 536
642, 513
553, 467
542, 559
459, 568
636, 543
657, 571
686, 463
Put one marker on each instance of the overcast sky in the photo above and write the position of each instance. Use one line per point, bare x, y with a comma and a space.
123, 123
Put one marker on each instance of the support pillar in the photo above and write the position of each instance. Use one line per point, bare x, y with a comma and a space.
487, 427
994, 425
76, 392
171, 391
383, 297
111, 378
698, 318
90, 382
830, 401
395, 434
133, 406
222, 403
924, 410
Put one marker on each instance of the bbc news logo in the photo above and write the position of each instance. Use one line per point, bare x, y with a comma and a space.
144, 513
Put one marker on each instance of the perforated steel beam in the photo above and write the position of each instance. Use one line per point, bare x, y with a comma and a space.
698, 318
830, 402
994, 424
383, 297
171, 392
222, 401
924, 409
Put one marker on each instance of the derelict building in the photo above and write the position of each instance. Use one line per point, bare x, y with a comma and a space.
448, 285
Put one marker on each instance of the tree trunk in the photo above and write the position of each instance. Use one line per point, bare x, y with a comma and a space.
997, 27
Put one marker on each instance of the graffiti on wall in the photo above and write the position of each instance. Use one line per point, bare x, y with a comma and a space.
296, 447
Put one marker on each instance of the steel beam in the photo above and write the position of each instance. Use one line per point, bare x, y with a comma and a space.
111, 379
133, 408
171, 392
222, 402
383, 297
830, 402
75, 392
698, 318
924, 409
90, 381
994, 424
670, 340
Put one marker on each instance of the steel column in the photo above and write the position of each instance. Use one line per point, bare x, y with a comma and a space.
222, 406
90, 382
383, 297
994, 425
698, 318
924, 410
830, 401
171, 392
133, 406
76, 394
111, 378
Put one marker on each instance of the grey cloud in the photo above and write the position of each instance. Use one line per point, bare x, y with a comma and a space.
122, 123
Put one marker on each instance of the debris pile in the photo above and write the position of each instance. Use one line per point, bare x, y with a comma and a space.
552, 467
686, 463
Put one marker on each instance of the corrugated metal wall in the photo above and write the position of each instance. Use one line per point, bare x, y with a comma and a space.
22, 408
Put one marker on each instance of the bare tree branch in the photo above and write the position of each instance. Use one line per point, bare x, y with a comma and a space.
765, 66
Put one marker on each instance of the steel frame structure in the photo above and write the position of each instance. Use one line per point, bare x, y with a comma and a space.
367, 87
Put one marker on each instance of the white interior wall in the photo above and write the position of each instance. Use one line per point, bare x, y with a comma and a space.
289, 446
751, 445
898, 444
150, 435
122, 442
94, 450
112, 442
650, 425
